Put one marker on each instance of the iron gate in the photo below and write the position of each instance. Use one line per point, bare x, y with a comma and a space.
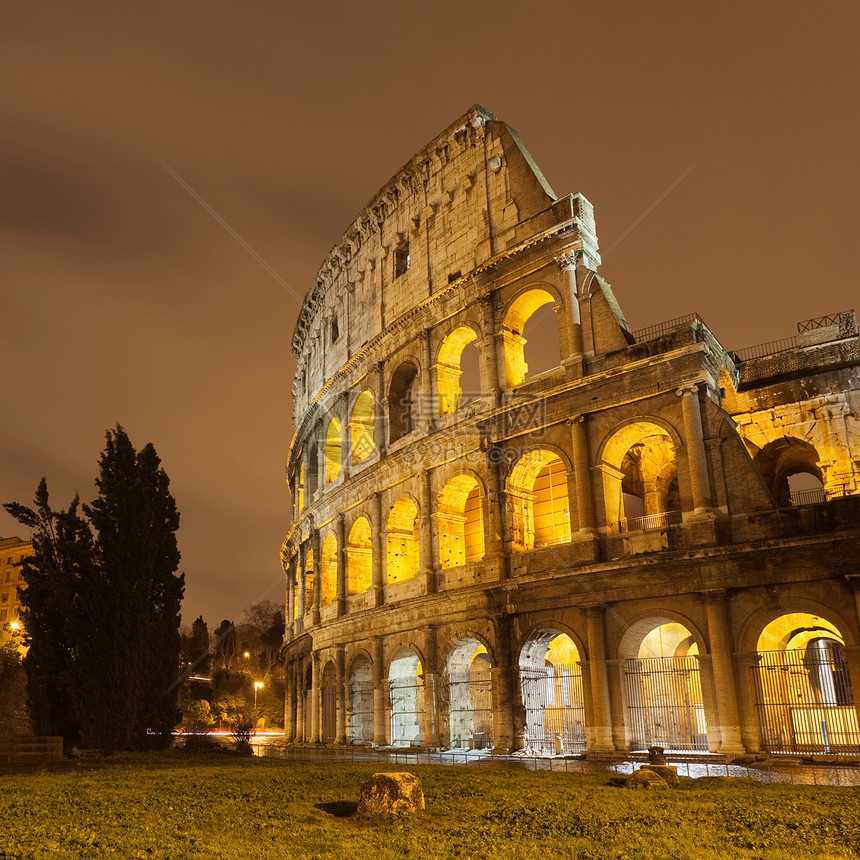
555, 709
359, 727
469, 708
407, 711
664, 703
804, 701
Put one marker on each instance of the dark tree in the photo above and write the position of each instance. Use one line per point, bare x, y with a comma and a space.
224, 647
196, 647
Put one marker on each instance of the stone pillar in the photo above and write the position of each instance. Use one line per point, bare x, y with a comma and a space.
289, 704
428, 562
315, 545
490, 350
340, 590
342, 694
747, 665
426, 413
430, 728
505, 695
320, 488
300, 702
567, 263
291, 598
694, 442
596, 635
378, 544
380, 430
346, 438
380, 692
725, 693
495, 508
586, 520
316, 700
300, 574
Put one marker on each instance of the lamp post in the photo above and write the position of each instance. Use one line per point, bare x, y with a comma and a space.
257, 685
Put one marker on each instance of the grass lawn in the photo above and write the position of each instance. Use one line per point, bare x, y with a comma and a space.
182, 806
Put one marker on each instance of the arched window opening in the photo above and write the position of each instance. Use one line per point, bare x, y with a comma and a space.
403, 541
803, 691
513, 333
402, 409
300, 484
641, 487
790, 469
551, 685
406, 691
359, 720
467, 689
313, 473
537, 489
665, 707
309, 579
333, 450
449, 370
461, 522
541, 331
359, 558
328, 695
328, 571
361, 427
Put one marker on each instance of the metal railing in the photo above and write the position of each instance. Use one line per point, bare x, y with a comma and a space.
772, 347
817, 496
652, 332
651, 521
820, 322
555, 709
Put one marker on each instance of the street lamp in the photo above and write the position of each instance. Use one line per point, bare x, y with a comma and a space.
257, 685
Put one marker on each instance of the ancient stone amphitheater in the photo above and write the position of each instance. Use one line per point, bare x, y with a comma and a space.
653, 542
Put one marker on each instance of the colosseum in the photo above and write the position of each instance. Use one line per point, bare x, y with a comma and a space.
652, 543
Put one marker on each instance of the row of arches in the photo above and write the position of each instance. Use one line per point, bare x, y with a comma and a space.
799, 677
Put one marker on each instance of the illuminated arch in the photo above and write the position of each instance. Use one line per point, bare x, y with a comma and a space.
537, 488
403, 541
309, 579
333, 450
402, 410
780, 461
359, 557
328, 570
461, 522
361, 426
406, 698
640, 486
359, 719
468, 685
448, 369
517, 316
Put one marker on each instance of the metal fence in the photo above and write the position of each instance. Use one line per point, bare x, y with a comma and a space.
651, 521
664, 703
805, 702
407, 711
470, 713
359, 713
555, 709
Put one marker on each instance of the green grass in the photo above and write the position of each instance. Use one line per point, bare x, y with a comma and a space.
174, 806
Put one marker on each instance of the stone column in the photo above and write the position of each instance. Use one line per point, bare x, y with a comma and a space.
428, 562
378, 544
430, 728
495, 507
504, 695
316, 699
291, 598
340, 669
380, 430
596, 635
320, 488
694, 441
289, 704
567, 263
315, 545
380, 692
724, 679
340, 591
586, 520
426, 413
300, 702
300, 574
490, 350
345, 437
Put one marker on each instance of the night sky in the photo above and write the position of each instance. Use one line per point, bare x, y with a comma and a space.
124, 299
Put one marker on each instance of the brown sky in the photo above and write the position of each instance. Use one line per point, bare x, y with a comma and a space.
124, 300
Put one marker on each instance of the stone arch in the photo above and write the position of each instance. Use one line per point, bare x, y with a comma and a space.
312, 482
629, 640
333, 450
403, 540
328, 702
402, 402
449, 369
782, 459
406, 697
466, 693
640, 475
362, 422
359, 706
460, 515
519, 311
537, 492
552, 691
328, 570
359, 557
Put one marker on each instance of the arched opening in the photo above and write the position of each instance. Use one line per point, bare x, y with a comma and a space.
309, 579
551, 689
537, 489
313, 481
361, 426
406, 690
641, 485
328, 693
513, 333
300, 485
468, 697
665, 707
461, 522
402, 410
359, 558
803, 690
790, 469
360, 703
403, 541
333, 450
449, 370
328, 572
